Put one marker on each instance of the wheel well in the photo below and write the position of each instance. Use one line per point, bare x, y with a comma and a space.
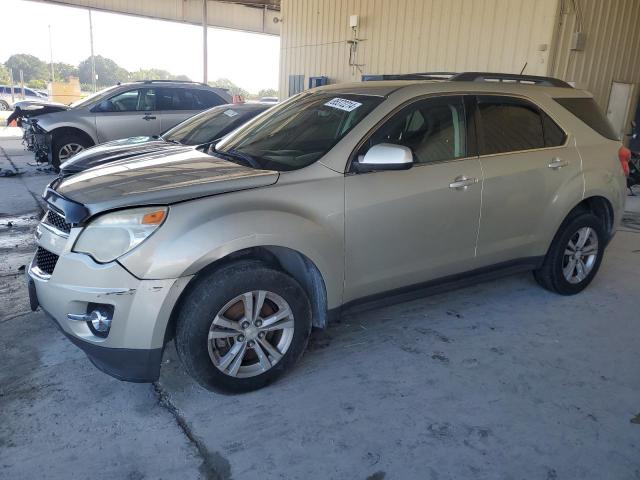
58, 132
287, 260
601, 208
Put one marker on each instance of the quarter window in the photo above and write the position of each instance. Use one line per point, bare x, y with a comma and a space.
509, 125
554, 136
434, 130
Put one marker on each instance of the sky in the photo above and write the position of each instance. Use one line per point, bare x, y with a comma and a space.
249, 60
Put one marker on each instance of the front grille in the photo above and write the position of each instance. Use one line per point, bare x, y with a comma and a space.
45, 260
57, 221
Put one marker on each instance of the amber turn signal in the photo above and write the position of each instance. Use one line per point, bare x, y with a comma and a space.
154, 218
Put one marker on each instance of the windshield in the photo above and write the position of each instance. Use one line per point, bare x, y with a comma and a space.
94, 96
209, 126
300, 131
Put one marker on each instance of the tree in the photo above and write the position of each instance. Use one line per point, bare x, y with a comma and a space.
108, 72
63, 71
4, 74
156, 74
229, 85
37, 84
268, 92
32, 67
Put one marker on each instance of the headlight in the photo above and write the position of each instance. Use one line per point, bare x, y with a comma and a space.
112, 235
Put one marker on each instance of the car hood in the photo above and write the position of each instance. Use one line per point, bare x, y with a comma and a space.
33, 108
155, 179
124, 149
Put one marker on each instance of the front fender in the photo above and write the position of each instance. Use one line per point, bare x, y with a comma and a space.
201, 232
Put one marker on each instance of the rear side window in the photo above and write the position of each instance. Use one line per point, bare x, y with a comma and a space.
554, 136
588, 111
509, 125
207, 99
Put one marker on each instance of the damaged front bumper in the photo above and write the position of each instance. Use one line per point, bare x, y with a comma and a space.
72, 283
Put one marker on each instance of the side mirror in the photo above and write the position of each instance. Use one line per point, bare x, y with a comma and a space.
385, 156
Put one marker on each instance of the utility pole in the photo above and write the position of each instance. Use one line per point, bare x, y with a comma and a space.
51, 55
93, 59
204, 41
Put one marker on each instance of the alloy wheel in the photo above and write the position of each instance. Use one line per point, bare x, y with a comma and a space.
69, 150
250, 334
580, 255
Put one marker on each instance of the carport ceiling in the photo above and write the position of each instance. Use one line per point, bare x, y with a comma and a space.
258, 16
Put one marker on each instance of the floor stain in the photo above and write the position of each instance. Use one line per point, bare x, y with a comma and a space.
636, 419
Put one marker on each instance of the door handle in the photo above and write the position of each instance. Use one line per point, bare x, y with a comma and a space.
557, 163
149, 117
462, 182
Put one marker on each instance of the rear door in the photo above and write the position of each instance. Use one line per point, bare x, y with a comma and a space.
526, 161
406, 227
131, 113
177, 104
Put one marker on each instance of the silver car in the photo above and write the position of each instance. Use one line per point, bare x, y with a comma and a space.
144, 108
343, 196
8, 97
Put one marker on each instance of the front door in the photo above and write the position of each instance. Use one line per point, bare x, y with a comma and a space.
406, 227
128, 114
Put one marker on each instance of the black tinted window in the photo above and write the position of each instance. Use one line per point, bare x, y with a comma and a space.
588, 111
554, 136
207, 98
434, 130
509, 125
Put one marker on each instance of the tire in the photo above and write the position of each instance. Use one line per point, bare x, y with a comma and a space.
70, 141
552, 274
206, 359
4, 106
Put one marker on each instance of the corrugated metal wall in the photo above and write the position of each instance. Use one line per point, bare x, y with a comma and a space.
400, 36
612, 48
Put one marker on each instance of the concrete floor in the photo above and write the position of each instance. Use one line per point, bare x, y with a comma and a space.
501, 380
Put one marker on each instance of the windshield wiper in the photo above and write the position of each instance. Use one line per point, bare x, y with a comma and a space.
234, 155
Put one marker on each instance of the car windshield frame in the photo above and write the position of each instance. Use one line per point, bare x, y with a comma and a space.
313, 122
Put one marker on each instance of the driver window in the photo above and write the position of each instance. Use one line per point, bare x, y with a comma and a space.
434, 130
139, 100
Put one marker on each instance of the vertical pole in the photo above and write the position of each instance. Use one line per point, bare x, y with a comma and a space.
51, 55
204, 42
93, 59
22, 84
13, 93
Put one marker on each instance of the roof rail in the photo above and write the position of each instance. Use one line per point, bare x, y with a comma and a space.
170, 81
509, 77
409, 76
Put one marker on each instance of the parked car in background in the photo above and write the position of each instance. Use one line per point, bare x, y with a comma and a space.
7, 100
143, 108
341, 196
269, 99
202, 129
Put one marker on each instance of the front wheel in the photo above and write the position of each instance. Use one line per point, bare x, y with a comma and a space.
242, 326
66, 146
4, 106
574, 256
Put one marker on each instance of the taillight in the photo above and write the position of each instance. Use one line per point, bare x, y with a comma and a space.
624, 154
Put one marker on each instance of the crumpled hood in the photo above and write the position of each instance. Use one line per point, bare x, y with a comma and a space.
159, 179
127, 148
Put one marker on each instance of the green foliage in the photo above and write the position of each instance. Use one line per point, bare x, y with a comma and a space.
108, 71
156, 74
268, 92
63, 71
32, 67
37, 84
229, 85
4, 74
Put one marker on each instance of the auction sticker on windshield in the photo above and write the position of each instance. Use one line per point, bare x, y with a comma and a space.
230, 113
343, 104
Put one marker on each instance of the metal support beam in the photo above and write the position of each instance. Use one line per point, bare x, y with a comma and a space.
205, 67
93, 58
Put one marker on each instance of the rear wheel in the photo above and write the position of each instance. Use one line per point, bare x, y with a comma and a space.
242, 327
575, 255
66, 146
4, 106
